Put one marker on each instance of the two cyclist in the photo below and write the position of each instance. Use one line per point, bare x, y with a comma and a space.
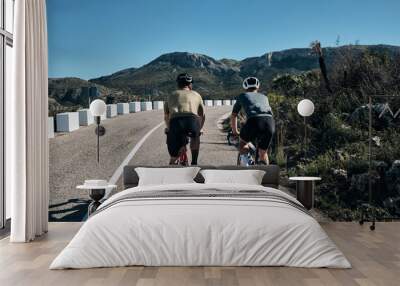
184, 117
259, 126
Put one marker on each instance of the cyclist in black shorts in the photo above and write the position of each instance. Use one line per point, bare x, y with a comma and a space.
184, 117
260, 124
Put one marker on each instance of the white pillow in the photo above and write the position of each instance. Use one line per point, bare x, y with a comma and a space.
248, 177
166, 176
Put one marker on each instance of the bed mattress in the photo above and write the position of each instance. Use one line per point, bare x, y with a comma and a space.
201, 225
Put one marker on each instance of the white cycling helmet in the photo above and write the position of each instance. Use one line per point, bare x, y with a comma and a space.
251, 82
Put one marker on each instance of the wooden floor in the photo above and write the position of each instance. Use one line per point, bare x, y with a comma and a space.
375, 257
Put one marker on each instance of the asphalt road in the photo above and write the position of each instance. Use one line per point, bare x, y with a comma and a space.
73, 155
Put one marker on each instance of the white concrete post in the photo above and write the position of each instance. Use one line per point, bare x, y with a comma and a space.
208, 102
134, 106
67, 122
146, 106
226, 102
50, 125
157, 105
85, 117
122, 108
217, 102
111, 110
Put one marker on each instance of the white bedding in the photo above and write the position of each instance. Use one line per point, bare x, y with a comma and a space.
200, 231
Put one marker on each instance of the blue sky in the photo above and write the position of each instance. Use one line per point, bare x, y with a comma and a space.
91, 38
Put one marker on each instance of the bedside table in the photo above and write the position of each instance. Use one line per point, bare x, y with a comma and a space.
97, 190
305, 190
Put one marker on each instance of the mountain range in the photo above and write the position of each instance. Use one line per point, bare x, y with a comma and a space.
212, 78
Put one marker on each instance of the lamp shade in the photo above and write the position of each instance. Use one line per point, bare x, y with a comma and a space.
97, 107
305, 107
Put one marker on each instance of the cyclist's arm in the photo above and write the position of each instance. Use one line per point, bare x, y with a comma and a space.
166, 114
201, 111
202, 115
202, 121
234, 123
234, 117
166, 119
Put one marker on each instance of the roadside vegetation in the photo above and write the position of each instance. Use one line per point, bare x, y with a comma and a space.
337, 147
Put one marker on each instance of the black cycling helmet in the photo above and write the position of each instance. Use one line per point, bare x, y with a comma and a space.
184, 79
251, 82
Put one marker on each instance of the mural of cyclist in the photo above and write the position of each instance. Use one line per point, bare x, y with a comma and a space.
259, 126
184, 116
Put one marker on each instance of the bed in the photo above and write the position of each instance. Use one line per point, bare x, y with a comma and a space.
201, 224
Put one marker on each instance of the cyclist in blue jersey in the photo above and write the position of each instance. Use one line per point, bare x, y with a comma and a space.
259, 126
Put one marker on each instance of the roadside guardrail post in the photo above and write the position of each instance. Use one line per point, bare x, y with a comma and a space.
111, 110
122, 108
67, 121
85, 117
134, 106
50, 126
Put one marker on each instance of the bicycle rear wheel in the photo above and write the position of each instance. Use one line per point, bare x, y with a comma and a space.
183, 159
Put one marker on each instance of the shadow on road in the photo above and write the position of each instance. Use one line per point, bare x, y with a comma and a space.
69, 211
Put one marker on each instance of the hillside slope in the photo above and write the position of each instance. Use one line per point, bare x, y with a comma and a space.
67, 94
221, 78
212, 78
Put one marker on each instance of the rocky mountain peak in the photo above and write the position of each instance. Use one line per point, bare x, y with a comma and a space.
189, 60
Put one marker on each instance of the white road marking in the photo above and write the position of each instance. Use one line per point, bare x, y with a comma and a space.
118, 172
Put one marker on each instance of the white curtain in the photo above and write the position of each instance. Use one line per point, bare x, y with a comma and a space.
26, 127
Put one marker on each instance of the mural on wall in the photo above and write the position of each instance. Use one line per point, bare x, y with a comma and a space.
338, 130
338, 80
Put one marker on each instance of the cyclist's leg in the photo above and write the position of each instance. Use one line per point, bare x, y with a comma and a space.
195, 149
247, 135
183, 158
266, 128
193, 129
263, 156
175, 140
